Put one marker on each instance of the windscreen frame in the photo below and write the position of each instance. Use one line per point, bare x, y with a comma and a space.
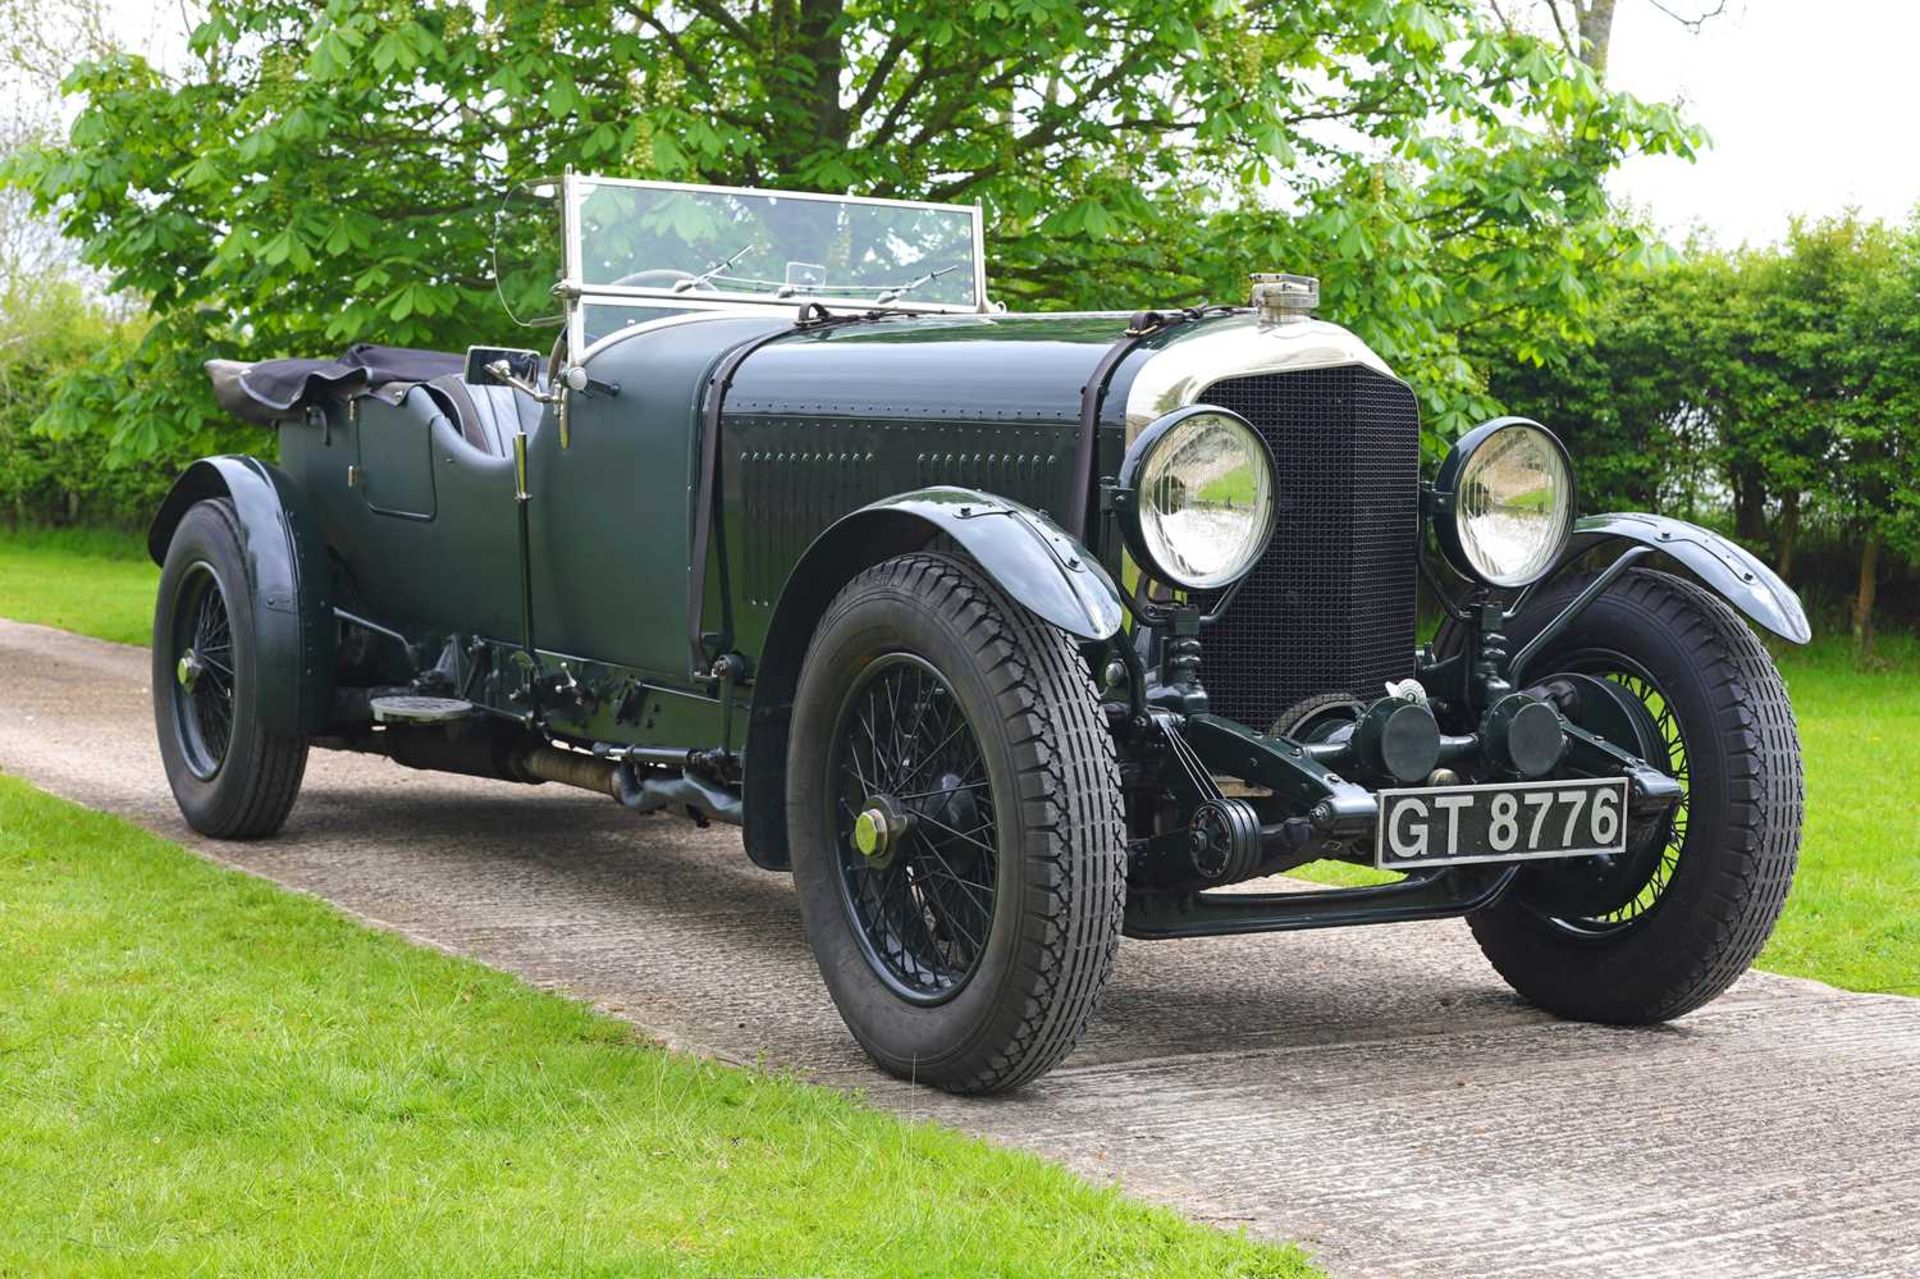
576, 288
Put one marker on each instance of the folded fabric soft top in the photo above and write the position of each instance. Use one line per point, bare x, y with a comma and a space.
273, 390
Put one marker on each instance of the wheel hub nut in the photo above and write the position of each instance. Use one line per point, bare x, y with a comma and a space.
870, 833
878, 829
187, 671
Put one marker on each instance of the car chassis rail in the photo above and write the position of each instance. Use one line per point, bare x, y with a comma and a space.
1436, 894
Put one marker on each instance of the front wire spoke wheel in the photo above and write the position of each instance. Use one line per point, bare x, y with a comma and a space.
1667, 671
1654, 863
221, 682
915, 832
955, 825
202, 667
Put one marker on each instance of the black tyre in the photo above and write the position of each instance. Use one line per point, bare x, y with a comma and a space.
954, 814
1663, 928
232, 778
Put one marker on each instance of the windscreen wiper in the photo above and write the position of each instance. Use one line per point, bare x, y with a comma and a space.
892, 292
713, 269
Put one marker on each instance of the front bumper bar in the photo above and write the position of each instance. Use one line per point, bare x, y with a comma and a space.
1333, 811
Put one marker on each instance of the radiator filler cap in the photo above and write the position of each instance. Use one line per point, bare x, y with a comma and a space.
1281, 299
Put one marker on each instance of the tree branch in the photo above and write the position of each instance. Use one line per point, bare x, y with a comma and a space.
877, 78
695, 68
717, 13
1567, 42
884, 131
940, 120
1692, 24
1042, 136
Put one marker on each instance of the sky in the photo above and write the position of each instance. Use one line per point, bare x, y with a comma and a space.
1811, 105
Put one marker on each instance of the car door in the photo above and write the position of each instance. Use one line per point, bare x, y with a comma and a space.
395, 447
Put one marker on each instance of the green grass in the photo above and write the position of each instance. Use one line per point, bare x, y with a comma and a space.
1235, 488
202, 1072
1854, 916
88, 580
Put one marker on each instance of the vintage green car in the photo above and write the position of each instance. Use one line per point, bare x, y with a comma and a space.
1007, 635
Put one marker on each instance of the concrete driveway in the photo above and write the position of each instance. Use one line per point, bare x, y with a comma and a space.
1376, 1094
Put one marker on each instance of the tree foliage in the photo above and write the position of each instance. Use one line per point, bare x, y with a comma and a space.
1777, 387
318, 174
49, 328
53, 325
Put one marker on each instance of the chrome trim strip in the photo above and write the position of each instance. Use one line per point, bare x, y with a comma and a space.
760, 302
666, 321
655, 184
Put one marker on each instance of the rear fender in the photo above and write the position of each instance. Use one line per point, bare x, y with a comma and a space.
1024, 553
1721, 564
287, 578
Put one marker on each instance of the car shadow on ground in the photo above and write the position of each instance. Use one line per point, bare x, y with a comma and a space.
642, 910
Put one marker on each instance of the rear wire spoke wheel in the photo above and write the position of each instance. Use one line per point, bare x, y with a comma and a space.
202, 686
232, 777
954, 815
1661, 929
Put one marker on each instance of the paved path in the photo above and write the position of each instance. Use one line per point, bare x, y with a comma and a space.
1374, 1093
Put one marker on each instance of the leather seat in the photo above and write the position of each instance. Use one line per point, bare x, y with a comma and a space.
488, 416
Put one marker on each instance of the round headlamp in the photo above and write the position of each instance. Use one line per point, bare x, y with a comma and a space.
1507, 499
1200, 501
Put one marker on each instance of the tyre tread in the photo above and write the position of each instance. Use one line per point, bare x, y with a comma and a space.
1069, 791
1751, 874
276, 762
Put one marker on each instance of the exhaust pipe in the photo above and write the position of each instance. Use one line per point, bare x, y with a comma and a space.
646, 792
544, 763
666, 782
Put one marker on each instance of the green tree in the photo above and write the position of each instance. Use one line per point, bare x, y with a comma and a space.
327, 173
1822, 413
49, 329
1876, 346
53, 323
1774, 386
1637, 406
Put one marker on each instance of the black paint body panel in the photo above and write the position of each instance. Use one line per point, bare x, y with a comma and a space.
818, 425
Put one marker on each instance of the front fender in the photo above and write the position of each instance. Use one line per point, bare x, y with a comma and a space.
1026, 555
287, 579
1720, 563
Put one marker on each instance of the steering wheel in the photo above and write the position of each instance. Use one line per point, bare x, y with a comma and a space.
664, 278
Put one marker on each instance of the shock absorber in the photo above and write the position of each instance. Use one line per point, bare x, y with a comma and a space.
1180, 664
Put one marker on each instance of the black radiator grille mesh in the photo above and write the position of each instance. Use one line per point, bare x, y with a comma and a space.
1330, 608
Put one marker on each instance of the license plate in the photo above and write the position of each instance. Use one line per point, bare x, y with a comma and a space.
1504, 822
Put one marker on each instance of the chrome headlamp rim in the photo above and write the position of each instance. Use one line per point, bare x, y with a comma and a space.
1141, 452
1447, 514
